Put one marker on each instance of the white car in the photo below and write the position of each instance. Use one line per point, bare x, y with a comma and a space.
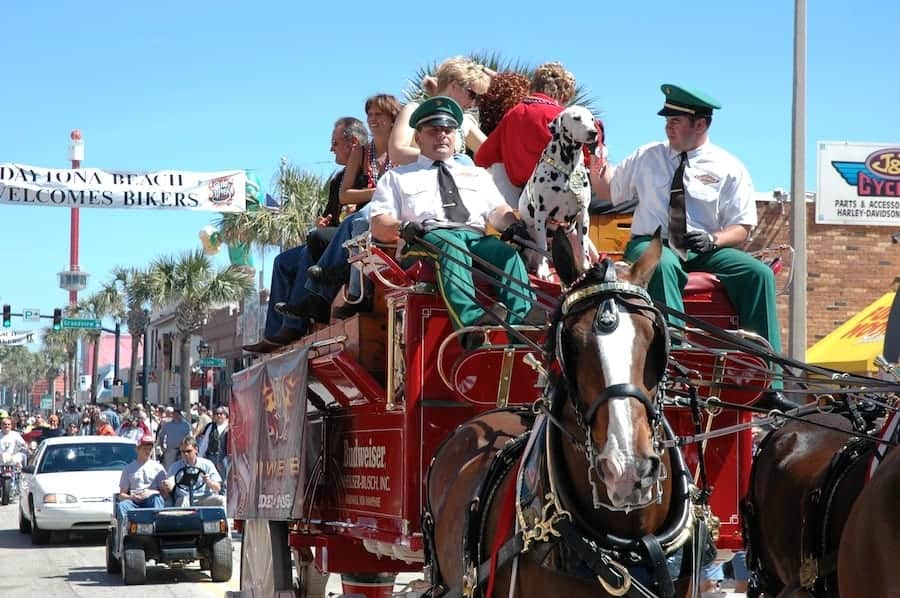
70, 483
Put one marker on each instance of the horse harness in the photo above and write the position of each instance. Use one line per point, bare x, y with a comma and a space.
818, 558
547, 530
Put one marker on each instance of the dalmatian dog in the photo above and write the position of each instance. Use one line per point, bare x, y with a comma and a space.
559, 191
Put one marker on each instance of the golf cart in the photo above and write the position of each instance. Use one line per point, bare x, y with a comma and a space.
175, 536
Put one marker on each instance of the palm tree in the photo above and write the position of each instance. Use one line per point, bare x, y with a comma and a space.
134, 285
192, 287
21, 369
53, 357
65, 341
303, 196
104, 303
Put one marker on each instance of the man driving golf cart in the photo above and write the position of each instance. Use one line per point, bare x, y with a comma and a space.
195, 529
208, 483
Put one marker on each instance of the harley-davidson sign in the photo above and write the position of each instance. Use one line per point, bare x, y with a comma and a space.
859, 183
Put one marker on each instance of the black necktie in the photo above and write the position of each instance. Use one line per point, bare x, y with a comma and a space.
454, 210
677, 216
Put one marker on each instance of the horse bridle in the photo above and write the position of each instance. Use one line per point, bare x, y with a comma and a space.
610, 295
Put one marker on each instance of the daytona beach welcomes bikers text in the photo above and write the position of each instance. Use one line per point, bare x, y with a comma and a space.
93, 197
220, 191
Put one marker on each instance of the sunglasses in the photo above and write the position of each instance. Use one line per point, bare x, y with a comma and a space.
472, 95
220, 413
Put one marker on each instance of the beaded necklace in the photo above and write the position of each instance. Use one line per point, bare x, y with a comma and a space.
537, 100
373, 172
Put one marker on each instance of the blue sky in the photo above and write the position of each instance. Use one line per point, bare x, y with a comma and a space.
202, 85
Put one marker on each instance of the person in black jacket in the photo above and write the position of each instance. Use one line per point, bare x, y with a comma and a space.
213, 441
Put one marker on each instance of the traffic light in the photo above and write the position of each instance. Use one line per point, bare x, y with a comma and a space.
7, 316
57, 319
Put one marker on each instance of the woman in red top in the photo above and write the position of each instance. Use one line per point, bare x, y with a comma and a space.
105, 429
523, 133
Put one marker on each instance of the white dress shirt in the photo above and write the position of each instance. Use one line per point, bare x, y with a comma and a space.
718, 189
411, 192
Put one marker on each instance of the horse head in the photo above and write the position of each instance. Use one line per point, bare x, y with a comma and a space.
611, 344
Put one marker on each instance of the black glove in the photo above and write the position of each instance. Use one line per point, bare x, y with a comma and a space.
516, 229
412, 230
700, 241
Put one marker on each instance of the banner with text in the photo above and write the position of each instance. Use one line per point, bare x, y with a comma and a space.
859, 183
8, 337
268, 439
23, 185
243, 441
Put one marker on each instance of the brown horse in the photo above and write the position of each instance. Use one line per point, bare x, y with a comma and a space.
804, 482
867, 561
596, 495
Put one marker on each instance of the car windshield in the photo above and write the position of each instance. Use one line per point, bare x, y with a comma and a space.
87, 457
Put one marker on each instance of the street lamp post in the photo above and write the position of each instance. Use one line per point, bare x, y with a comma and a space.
145, 368
203, 352
118, 334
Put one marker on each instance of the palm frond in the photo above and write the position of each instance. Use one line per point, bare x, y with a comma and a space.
304, 195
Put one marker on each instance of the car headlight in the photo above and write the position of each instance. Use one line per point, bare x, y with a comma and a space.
215, 527
59, 499
140, 528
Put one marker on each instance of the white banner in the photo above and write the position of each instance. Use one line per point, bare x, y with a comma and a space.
94, 188
859, 183
22, 337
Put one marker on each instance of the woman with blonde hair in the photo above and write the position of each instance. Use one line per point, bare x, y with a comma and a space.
461, 79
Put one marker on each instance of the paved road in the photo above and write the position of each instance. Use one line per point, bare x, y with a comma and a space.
76, 566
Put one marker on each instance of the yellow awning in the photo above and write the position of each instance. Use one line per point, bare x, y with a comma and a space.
854, 345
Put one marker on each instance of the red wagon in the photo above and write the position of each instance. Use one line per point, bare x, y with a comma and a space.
383, 391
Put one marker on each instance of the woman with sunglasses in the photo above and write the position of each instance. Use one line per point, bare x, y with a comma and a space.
459, 78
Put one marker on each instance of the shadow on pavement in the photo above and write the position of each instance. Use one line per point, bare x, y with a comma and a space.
12, 538
161, 575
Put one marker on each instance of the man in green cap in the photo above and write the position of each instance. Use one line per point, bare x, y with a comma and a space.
447, 204
701, 198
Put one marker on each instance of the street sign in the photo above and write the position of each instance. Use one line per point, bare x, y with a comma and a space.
31, 314
81, 323
212, 362
46, 402
118, 391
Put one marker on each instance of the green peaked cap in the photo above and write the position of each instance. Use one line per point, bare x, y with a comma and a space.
686, 102
438, 111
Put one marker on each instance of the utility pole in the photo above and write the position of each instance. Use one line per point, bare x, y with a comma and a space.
145, 368
797, 318
118, 335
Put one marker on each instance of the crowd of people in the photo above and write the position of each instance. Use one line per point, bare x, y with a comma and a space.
167, 427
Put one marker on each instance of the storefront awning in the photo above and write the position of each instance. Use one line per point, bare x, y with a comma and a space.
854, 345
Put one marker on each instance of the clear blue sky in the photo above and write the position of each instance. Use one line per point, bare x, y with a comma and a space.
203, 85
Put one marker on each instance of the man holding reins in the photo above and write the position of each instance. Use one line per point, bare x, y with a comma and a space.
448, 205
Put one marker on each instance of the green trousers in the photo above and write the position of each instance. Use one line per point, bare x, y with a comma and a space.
454, 274
749, 283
